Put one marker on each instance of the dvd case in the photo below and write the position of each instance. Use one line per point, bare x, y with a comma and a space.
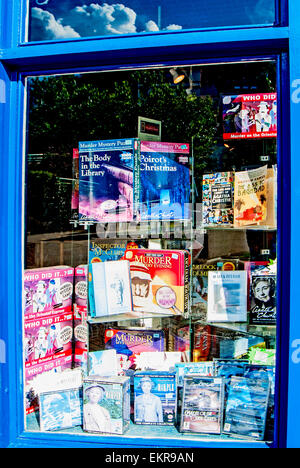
202, 405
106, 404
155, 398
246, 407
60, 409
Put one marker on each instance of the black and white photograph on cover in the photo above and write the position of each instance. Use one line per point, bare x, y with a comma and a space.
96, 418
263, 299
147, 406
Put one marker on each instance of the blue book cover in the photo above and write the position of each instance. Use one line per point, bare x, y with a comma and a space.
155, 398
246, 407
109, 180
165, 173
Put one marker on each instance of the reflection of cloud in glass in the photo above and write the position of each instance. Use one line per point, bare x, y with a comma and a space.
89, 20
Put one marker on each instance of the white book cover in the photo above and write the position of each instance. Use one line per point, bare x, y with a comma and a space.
112, 288
227, 296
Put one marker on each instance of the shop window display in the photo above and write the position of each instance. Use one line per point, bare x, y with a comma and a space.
150, 260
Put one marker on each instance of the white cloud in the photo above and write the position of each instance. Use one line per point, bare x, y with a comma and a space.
173, 27
88, 20
44, 26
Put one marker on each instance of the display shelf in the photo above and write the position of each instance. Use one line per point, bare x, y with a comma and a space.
142, 432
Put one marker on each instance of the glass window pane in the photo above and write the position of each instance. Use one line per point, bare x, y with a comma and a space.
151, 247
69, 19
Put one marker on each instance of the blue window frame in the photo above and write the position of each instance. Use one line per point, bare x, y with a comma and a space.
17, 62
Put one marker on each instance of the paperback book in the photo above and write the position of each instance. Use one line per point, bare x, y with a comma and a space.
263, 299
155, 398
246, 408
255, 197
217, 198
202, 405
160, 280
130, 343
109, 180
227, 296
203, 369
165, 173
106, 404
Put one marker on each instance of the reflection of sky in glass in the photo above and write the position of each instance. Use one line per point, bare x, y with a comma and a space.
65, 19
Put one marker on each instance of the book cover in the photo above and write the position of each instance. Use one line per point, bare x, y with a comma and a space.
102, 250
227, 296
155, 398
200, 270
60, 409
202, 404
263, 299
109, 180
204, 342
247, 116
165, 173
48, 290
217, 198
246, 407
252, 267
112, 288
130, 343
160, 280
251, 197
106, 404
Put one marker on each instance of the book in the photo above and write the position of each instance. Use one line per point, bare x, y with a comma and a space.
251, 197
48, 290
200, 270
217, 198
102, 250
165, 173
227, 296
263, 299
246, 407
112, 288
202, 404
155, 398
130, 343
248, 116
204, 342
109, 180
252, 267
160, 281
106, 404
60, 409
